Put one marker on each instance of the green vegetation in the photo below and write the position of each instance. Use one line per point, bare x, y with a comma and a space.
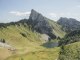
2, 40
19, 37
27, 43
43, 54
70, 52
71, 37
38, 39
30, 46
57, 29
14, 35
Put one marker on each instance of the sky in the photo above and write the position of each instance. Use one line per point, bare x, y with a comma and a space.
15, 10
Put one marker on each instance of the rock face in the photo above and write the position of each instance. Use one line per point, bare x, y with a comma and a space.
69, 24
40, 23
4, 45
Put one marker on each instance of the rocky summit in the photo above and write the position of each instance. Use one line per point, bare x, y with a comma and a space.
40, 24
69, 24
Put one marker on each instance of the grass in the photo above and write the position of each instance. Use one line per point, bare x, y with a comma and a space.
43, 54
12, 36
57, 29
70, 52
28, 47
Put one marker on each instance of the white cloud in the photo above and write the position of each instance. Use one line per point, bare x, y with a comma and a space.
56, 16
53, 14
18, 13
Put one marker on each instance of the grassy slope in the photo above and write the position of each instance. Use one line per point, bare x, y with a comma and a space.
13, 37
43, 54
71, 37
29, 44
57, 29
70, 52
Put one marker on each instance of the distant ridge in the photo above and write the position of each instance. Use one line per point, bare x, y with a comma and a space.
69, 24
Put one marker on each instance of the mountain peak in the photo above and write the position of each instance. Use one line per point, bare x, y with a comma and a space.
40, 23
33, 10
69, 24
34, 14
67, 19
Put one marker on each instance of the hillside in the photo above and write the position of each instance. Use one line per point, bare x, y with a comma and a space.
38, 38
19, 38
70, 52
70, 46
27, 30
39, 30
46, 54
29, 35
71, 37
44, 25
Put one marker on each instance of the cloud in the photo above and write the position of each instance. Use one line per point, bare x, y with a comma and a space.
53, 14
18, 13
56, 16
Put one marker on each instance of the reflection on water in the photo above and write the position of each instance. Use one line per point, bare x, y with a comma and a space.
50, 44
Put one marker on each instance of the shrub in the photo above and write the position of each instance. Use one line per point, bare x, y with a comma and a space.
23, 34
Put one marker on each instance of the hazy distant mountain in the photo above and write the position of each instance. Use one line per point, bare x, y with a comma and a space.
69, 24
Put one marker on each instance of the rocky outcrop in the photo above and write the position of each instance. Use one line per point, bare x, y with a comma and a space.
5, 45
40, 23
69, 24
